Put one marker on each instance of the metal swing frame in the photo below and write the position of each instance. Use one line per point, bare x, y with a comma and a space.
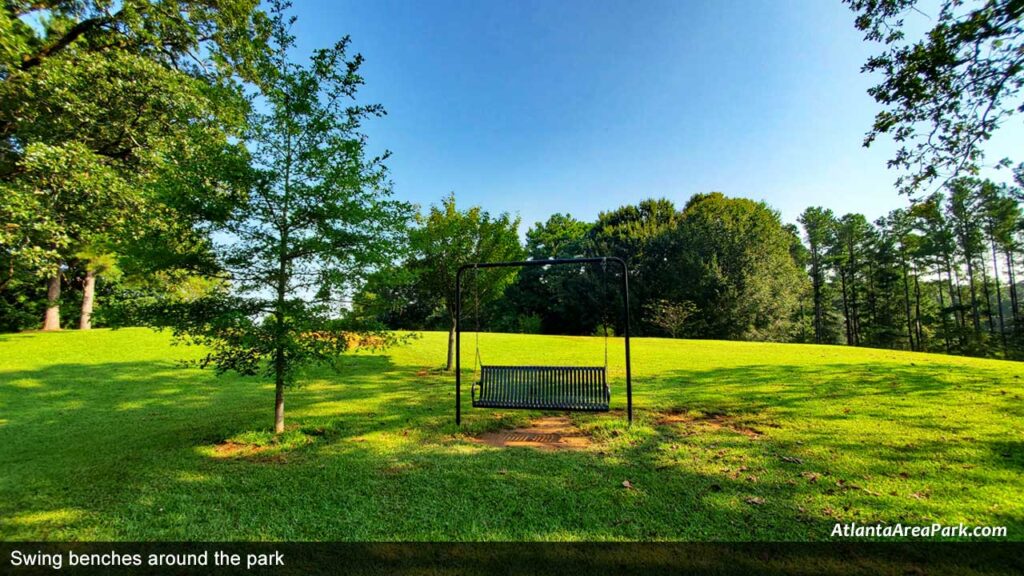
522, 264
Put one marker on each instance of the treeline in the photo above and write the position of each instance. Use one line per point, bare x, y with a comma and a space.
717, 268
938, 276
140, 182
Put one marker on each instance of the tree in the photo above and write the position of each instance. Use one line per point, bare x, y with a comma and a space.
908, 244
735, 255
938, 248
317, 220
560, 297
62, 195
945, 94
95, 260
95, 99
639, 235
848, 254
670, 316
961, 207
1001, 216
448, 238
818, 224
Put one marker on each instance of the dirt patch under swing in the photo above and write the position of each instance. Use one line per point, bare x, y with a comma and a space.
548, 433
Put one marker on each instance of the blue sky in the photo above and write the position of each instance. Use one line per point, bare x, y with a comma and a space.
537, 107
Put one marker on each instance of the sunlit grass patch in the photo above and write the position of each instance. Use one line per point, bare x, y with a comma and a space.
730, 441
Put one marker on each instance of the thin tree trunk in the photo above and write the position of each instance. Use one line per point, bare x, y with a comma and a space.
280, 360
854, 310
999, 295
51, 321
871, 301
988, 298
906, 302
960, 300
816, 282
954, 302
917, 309
88, 294
280, 367
450, 364
942, 309
975, 313
278, 406
1014, 303
846, 309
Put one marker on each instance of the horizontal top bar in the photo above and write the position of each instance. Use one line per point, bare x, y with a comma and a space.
538, 368
550, 262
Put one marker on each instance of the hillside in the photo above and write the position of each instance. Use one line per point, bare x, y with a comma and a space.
104, 437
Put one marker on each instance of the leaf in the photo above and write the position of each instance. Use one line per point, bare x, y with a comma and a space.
627, 485
755, 501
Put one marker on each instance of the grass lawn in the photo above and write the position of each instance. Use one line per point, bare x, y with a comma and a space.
103, 437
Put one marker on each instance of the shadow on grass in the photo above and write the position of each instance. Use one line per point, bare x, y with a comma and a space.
123, 451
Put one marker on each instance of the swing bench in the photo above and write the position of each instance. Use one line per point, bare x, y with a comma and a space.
568, 388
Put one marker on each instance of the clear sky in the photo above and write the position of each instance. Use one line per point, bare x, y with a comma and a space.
546, 106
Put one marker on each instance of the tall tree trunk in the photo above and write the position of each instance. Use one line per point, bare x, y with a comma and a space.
283, 229
450, 364
906, 302
988, 298
1014, 302
975, 312
88, 294
51, 321
942, 309
960, 300
871, 297
917, 309
954, 302
846, 309
280, 368
816, 284
854, 310
279, 403
999, 295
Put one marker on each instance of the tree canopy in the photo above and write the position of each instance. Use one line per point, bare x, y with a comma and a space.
944, 94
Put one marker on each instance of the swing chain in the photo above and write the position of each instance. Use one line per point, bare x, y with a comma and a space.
477, 361
604, 307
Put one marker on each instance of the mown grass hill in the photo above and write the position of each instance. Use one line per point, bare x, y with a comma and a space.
104, 437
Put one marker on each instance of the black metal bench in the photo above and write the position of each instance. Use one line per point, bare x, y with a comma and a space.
572, 388
578, 388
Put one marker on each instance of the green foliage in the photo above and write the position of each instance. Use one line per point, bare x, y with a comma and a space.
819, 228
447, 238
316, 221
640, 236
670, 316
100, 104
745, 282
562, 298
943, 95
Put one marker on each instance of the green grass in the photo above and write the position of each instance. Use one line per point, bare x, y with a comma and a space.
103, 437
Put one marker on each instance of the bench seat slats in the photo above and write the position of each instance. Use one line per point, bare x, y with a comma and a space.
576, 388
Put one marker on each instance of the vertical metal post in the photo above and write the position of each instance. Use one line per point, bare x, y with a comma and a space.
629, 375
458, 347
